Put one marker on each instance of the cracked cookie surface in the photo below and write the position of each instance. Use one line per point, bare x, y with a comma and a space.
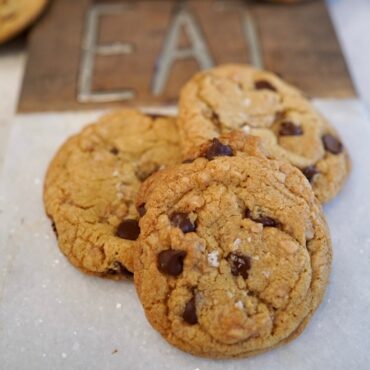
92, 182
234, 252
233, 97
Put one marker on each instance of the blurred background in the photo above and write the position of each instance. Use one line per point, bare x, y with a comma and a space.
63, 55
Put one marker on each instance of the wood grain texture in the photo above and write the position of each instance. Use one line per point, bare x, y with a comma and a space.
297, 41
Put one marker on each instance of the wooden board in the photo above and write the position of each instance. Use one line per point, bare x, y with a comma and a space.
86, 54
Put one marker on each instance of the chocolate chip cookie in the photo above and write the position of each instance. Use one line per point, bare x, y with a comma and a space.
233, 97
15, 15
92, 182
234, 252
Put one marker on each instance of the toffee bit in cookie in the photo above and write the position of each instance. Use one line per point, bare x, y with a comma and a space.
141, 209
53, 226
332, 144
190, 312
118, 269
217, 149
128, 229
264, 85
239, 264
288, 128
171, 262
114, 151
182, 221
310, 172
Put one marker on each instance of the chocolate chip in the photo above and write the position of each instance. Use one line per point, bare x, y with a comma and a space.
155, 116
263, 85
264, 220
288, 128
240, 264
217, 149
141, 209
114, 151
310, 172
190, 312
332, 144
118, 269
171, 262
182, 221
54, 228
188, 161
128, 229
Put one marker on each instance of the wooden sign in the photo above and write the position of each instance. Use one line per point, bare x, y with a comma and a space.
87, 54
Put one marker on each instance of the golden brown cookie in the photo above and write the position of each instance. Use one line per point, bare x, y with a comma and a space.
91, 185
233, 97
234, 252
16, 15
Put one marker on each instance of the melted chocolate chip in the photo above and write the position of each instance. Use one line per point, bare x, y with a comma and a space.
54, 228
310, 172
239, 264
190, 312
118, 269
182, 221
141, 209
332, 144
288, 128
188, 161
264, 85
155, 116
264, 220
114, 151
171, 262
128, 229
217, 149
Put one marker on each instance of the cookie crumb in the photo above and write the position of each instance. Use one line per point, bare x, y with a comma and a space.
114, 351
118, 305
213, 259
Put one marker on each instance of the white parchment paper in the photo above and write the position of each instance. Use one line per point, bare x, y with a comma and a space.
54, 317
